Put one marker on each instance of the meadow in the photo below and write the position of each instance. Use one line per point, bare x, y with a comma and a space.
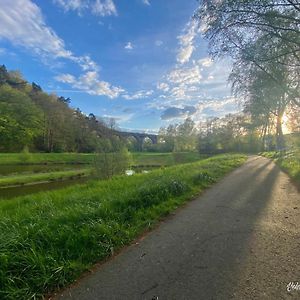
289, 161
48, 239
138, 158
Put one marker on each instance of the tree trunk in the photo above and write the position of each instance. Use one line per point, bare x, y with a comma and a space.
279, 133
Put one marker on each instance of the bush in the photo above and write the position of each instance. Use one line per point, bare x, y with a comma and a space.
109, 164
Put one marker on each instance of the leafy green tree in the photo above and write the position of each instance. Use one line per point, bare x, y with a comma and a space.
263, 39
19, 120
3, 75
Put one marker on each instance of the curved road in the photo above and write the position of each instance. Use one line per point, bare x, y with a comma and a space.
239, 240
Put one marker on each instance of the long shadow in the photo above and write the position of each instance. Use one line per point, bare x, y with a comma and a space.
224, 246
227, 263
221, 264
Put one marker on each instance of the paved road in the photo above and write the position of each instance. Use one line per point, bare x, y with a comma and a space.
239, 240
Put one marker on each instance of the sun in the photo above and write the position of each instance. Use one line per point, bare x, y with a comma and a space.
285, 123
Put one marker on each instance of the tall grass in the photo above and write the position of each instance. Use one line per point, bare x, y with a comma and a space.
289, 161
47, 240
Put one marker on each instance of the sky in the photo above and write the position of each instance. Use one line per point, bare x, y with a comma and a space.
142, 62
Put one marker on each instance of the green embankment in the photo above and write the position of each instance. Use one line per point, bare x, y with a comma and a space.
139, 158
45, 158
289, 161
16, 180
48, 239
164, 159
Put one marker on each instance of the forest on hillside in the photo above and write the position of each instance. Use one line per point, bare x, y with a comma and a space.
35, 120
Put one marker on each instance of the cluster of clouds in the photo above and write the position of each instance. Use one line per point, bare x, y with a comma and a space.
96, 7
193, 86
23, 24
186, 41
182, 92
177, 112
90, 83
201, 110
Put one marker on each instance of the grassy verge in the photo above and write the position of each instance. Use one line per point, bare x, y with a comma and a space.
288, 161
16, 180
164, 159
45, 158
47, 240
139, 158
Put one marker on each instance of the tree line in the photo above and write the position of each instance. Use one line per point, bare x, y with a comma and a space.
31, 118
262, 38
231, 133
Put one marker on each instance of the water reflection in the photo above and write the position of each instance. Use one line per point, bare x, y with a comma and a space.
129, 172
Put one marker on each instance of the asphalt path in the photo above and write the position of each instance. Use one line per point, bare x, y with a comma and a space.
238, 240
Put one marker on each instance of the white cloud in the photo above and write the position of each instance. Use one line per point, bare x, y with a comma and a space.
216, 107
205, 62
22, 24
97, 7
146, 2
158, 43
186, 42
128, 46
86, 63
163, 86
66, 78
185, 53
138, 95
104, 8
91, 84
67, 5
185, 76
203, 79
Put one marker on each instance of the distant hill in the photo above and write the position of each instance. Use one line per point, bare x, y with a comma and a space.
35, 120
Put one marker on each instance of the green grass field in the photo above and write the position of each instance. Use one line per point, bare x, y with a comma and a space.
289, 161
139, 158
165, 159
45, 158
48, 239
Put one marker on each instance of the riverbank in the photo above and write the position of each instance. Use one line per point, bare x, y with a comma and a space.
48, 239
138, 158
26, 179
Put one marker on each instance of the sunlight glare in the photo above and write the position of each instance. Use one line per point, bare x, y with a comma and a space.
285, 124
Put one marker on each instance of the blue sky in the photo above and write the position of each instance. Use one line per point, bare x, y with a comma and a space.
142, 62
